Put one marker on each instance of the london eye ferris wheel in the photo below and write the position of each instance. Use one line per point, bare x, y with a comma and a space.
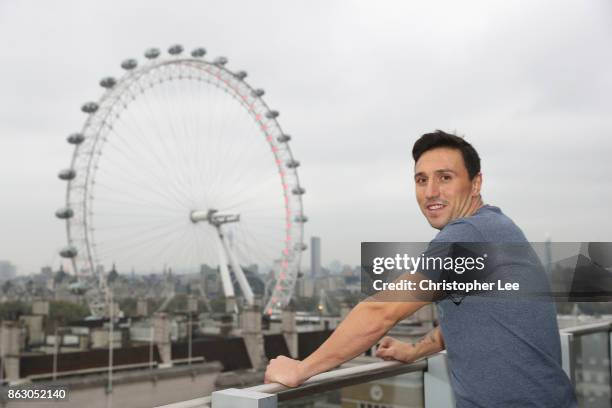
181, 163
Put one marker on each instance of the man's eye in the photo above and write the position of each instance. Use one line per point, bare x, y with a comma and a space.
445, 177
420, 180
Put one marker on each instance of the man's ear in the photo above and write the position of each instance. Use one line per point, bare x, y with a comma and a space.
476, 184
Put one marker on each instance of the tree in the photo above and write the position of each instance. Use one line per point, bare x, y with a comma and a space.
63, 312
12, 310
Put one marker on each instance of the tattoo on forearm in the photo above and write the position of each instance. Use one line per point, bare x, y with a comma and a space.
429, 338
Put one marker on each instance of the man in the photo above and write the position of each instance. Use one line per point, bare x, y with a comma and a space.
502, 353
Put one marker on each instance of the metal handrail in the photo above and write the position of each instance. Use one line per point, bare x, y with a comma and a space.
327, 381
203, 402
588, 328
343, 377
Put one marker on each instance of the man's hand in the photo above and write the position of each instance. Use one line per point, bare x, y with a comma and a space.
284, 370
393, 349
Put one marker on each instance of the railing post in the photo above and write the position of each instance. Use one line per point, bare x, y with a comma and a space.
610, 355
568, 355
243, 398
436, 383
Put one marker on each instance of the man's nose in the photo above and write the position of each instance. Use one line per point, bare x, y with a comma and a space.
432, 190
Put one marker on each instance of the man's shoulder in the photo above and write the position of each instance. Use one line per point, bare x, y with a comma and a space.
488, 224
460, 230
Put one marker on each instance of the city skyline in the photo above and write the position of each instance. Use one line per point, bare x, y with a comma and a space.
355, 84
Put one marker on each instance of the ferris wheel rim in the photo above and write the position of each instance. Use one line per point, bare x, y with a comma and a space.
131, 77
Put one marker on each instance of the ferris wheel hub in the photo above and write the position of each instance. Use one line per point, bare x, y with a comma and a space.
212, 217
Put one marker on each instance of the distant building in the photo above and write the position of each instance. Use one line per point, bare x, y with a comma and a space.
46, 271
7, 270
305, 287
315, 257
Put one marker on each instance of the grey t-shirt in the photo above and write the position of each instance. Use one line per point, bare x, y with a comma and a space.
502, 352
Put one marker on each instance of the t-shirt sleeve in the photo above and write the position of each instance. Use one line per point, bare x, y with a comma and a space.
459, 231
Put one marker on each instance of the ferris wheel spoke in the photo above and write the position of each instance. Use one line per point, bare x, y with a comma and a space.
122, 204
146, 200
254, 255
157, 139
191, 129
168, 101
197, 251
145, 178
188, 255
256, 241
136, 215
251, 167
174, 258
147, 169
129, 245
121, 225
272, 239
202, 170
248, 194
159, 230
215, 109
178, 133
127, 186
208, 93
242, 164
136, 134
188, 130
150, 198
226, 142
206, 245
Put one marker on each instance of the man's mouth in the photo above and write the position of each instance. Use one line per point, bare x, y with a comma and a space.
435, 206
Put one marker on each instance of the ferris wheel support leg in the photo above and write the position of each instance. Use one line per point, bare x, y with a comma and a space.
242, 280
226, 281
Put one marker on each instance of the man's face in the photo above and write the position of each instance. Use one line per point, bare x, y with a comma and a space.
444, 190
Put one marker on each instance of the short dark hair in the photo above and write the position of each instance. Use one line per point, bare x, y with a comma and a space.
439, 138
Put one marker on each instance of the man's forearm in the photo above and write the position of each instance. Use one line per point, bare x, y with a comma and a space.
431, 343
361, 329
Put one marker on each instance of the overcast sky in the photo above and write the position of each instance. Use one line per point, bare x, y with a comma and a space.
528, 83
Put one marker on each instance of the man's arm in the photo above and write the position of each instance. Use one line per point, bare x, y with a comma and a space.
362, 328
393, 349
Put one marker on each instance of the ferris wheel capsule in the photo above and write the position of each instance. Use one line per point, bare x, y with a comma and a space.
75, 138
108, 82
175, 49
258, 93
198, 52
152, 53
68, 251
293, 164
67, 174
272, 114
283, 138
300, 218
89, 107
64, 213
241, 75
300, 246
299, 190
129, 64
220, 61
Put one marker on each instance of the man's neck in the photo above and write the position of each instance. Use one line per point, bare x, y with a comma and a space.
474, 207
